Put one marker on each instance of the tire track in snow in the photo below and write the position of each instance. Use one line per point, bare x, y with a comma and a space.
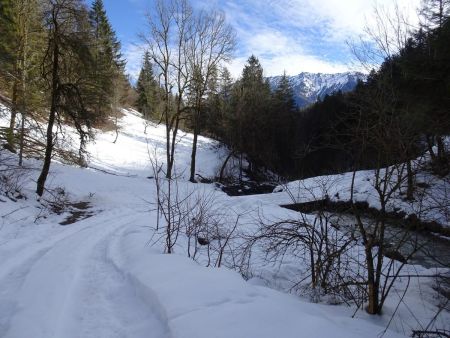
106, 302
144, 291
15, 272
42, 282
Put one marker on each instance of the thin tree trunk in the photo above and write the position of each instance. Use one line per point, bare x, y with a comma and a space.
117, 127
371, 283
168, 139
171, 154
224, 165
430, 148
441, 147
193, 155
194, 148
410, 181
12, 121
24, 95
51, 119
169, 168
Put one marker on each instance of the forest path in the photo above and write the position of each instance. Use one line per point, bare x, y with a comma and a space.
69, 286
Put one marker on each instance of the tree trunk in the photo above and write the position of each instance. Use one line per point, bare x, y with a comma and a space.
193, 155
194, 148
430, 143
224, 165
410, 181
12, 122
169, 168
372, 308
24, 94
22, 136
171, 154
51, 119
441, 147
442, 154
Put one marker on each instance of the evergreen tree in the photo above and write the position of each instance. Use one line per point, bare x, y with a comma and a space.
282, 124
147, 89
253, 113
284, 95
20, 53
108, 62
434, 13
226, 84
7, 38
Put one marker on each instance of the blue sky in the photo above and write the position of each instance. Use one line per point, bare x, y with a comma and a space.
286, 35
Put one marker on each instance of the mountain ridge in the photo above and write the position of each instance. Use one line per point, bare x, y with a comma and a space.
310, 87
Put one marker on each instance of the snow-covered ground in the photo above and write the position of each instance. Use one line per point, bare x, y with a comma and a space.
105, 276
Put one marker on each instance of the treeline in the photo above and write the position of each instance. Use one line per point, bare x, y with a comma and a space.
60, 62
401, 111
245, 114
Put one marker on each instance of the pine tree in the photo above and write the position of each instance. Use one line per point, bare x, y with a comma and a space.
282, 124
252, 74
9, 59
253, 112
433, 69
218, 104
7, 40
108, 62
434, 13
147, 89
20, 53
284, 94
226, 84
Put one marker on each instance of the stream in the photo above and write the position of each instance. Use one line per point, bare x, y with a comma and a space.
424, 248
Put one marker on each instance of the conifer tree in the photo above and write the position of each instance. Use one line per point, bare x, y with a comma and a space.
108, 62
20, 53
147, 89
434, 13
284, 94
7, 24
282, 124
253, 112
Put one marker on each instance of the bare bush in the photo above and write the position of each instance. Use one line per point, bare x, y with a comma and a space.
12, 176
196, 214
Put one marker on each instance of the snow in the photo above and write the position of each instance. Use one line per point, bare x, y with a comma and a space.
105, 276
310, 87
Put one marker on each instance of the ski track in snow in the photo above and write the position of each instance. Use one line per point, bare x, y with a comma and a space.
82, 291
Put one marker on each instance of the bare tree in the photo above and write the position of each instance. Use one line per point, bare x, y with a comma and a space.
170, 31
186, 47
212, 42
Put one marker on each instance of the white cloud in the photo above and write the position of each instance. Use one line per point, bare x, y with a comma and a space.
293, 35
133, 53
304, 35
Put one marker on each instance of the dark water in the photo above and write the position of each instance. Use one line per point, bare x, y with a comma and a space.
420, 247
248, 188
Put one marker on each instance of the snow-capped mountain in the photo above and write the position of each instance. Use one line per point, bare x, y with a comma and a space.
310, 87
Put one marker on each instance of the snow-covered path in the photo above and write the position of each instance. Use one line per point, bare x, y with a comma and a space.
71, 287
